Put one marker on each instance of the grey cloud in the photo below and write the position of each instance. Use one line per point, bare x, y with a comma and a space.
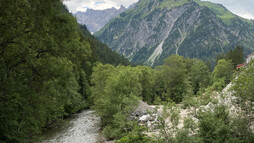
77, 5
243, 8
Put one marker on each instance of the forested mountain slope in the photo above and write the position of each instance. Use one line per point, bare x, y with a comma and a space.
155, 29
104, 54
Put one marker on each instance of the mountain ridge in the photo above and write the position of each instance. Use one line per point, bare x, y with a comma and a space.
96, 19
185, 27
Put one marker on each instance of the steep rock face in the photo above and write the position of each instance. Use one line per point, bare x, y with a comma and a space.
155, 29
96, 19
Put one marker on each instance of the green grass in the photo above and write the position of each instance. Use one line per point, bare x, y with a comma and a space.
225, 15
169, 4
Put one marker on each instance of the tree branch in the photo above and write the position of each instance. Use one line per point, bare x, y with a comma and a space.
3, 45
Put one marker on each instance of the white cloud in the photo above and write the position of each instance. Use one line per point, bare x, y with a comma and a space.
82, 5
243, 8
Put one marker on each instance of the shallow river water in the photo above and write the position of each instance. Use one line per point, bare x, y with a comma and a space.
81, 128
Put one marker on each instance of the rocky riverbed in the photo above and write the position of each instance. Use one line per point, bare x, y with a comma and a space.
81, 128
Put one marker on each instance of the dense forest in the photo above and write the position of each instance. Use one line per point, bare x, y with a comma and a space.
51, 67
46, 61
104, 54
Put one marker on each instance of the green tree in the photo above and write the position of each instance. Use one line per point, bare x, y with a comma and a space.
147, 81
100, 75
45, 64
219, 127
243, 85
117, 100
174, 77
199, 75
104, 54
222, 74
235, 55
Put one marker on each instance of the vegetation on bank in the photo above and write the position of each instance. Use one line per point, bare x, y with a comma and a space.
178, 80
214, 125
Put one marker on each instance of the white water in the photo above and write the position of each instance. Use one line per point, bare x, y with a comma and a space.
82, 128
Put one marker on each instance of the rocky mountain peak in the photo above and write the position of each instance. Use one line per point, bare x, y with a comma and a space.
122, 8
96, 19
155, 29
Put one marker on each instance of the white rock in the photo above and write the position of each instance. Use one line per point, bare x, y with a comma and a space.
149, 124
145, 118
156, 118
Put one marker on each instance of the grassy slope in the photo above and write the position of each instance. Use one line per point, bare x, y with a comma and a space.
225, 15
172, 3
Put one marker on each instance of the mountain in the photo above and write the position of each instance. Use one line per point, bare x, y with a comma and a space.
154, 29
96, 19
101, 51
131, 6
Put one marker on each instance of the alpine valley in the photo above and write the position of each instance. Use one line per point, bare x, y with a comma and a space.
60, 83
154, 29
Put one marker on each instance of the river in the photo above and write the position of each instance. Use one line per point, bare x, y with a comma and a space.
81, 128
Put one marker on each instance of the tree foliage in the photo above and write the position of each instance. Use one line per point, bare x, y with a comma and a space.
235, 55
200, 75
222, 74
243, 85
116, 96
174, 79
102, 51
147, 80
213, 126
218, 126
45, 64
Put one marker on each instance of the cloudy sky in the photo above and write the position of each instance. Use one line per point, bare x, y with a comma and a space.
244, 8
81, 5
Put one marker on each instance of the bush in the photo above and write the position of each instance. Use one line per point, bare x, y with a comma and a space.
213, 127
219, 127
137, 136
